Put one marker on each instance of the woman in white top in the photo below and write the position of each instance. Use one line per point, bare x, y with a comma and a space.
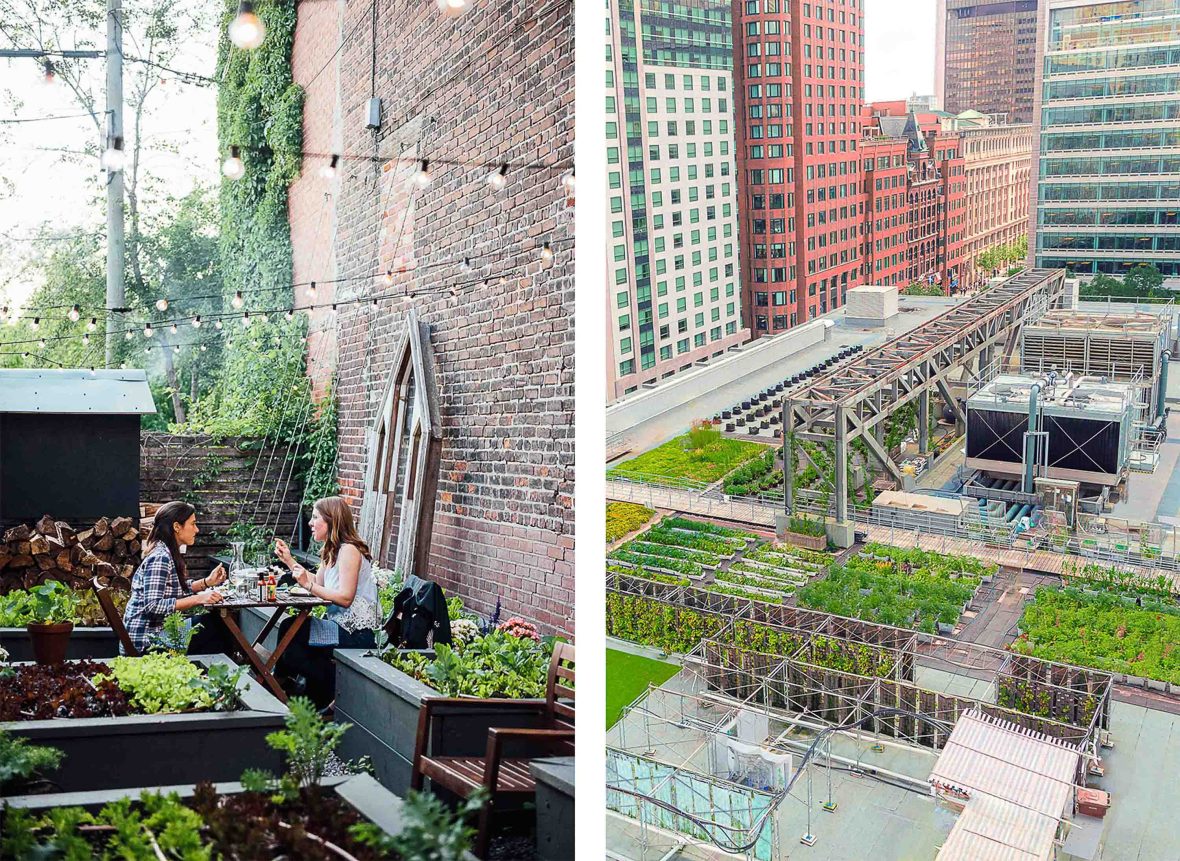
344, 577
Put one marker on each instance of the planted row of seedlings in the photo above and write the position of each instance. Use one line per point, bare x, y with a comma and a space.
902, 587
679, 548
722, 560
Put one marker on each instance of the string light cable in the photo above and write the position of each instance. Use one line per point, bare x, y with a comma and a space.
173, 302
150, 330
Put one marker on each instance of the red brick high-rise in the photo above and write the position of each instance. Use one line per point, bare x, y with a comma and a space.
798, 88
916, 224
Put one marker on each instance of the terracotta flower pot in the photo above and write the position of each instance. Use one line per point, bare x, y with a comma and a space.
50, 641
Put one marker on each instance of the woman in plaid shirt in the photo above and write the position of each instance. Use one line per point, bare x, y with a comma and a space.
160, 585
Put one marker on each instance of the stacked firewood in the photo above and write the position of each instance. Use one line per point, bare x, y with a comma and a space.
53, 550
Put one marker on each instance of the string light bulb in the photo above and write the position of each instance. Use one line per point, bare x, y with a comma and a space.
113, 158
41, 343
203, 348
311, 290
74, 314
237, 301
49, 73
85, 340
568, 183
246, 31
92, 325
546, 253
176, 349
147, 350
217, 325
497, 179
466, 265
328, 171
36, 324
197, 322
387, 278
290, 314
161, 305
147, 330
246, 320
128, 335
453, 8
233, 167
422, 178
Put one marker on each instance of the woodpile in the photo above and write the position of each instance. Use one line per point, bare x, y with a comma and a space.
53, 550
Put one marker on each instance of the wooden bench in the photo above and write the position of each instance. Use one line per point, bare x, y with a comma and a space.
502, 776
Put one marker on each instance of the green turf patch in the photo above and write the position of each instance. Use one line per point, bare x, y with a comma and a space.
689, 458
627, 677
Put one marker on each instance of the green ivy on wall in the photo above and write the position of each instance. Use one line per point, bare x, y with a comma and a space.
260, 109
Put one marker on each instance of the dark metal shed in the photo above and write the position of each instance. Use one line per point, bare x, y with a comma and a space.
69, 443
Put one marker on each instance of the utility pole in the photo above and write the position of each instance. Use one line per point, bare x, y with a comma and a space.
115, 240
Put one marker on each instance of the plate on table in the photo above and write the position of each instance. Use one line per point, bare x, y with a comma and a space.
299, 592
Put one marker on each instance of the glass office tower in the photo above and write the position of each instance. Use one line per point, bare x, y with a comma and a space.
1108, 163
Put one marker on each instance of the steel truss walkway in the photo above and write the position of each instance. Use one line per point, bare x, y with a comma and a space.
849, 402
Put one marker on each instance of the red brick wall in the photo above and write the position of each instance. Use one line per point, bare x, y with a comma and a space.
493, 85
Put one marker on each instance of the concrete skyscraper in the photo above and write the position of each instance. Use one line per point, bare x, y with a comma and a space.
672, 293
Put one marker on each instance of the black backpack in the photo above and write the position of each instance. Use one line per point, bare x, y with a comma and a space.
419, 611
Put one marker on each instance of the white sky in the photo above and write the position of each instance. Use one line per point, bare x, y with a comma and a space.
49, 189
899, 54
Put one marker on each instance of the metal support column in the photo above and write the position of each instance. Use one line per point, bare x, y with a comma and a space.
924, 421
841, 478
788, 460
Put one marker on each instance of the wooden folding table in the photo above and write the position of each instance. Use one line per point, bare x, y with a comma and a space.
301, 605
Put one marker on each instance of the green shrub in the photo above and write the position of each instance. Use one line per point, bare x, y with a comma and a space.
496, 665
1102, 632
623, 518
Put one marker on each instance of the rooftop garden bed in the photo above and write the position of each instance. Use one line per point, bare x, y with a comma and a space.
892, 586
301, 814
763, 475
123, 722
499, 664
1118, 582
1103, 632
702, 455
623, 518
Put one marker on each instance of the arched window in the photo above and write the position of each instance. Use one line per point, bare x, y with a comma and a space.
404, 448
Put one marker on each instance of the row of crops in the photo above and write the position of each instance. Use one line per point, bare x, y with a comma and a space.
682, 551
906, 588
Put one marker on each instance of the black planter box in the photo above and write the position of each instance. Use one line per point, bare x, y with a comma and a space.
555, 807
382, 705
84, 643
362, 792
137, 750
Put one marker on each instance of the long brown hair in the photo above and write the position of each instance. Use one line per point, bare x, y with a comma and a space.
163, 532
341, 529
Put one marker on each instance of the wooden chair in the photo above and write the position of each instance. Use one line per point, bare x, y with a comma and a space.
103, 593
502, 775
